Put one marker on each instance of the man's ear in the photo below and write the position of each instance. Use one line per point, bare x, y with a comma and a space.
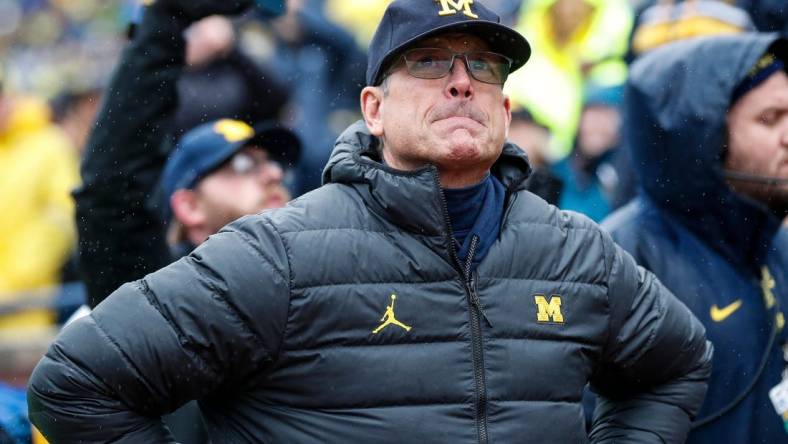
186, 208
371, 104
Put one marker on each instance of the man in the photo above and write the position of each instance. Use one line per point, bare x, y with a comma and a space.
505, 307
223, 170
708, 129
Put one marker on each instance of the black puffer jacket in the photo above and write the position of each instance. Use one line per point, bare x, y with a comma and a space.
275, 324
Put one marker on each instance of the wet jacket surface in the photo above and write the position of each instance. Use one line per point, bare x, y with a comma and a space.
345, 318
708, 245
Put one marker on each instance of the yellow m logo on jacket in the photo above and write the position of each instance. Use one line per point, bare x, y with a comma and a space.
548, 311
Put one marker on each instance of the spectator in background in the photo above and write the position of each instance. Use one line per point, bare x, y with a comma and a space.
575, 41
658, 22
588, 173
220, 81
662, 21
38, 169
534, 139
324, 68
708, 127
223, 170
75, 112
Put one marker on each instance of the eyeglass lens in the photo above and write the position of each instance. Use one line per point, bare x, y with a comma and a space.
245, 163
434, 63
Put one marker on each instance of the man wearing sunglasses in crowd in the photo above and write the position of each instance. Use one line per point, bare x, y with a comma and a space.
420, 295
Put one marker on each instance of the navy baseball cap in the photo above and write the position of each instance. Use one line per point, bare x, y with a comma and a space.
206, 147
407, 21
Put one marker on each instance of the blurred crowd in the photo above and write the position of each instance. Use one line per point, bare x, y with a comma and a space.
303, 71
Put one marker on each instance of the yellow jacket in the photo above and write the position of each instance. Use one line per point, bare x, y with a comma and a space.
38, 169
551, 83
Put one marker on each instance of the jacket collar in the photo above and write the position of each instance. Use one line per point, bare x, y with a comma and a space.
410, 199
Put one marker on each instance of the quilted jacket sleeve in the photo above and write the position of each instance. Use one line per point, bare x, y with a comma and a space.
656, 364
196, 327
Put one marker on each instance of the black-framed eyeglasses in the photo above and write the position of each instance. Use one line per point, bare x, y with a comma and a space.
435, 63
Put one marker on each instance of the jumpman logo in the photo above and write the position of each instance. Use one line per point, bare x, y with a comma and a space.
388, 318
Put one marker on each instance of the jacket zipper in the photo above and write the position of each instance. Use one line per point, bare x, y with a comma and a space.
473, 295
475, 310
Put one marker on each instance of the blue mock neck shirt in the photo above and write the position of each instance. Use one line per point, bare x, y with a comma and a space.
476, 211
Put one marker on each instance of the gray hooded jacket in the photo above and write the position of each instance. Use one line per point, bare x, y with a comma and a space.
345, 317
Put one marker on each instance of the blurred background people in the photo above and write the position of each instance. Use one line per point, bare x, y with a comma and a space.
323, 67
658, 22
74, 111
591, 173
221, 81
708, 129
48, 46
534, 139
38, 169
123, 235
573, 41
662, 21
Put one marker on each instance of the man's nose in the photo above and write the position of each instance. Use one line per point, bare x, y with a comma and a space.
784, 134
459, 84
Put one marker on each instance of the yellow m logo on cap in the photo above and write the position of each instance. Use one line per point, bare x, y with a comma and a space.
233, 130
449, 7
548, 311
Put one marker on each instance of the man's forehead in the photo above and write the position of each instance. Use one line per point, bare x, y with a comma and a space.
252, 148
454, 40
770, 93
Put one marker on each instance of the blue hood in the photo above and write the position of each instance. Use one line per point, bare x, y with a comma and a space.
676, 104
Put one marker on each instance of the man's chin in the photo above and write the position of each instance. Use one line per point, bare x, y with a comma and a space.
460, 142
